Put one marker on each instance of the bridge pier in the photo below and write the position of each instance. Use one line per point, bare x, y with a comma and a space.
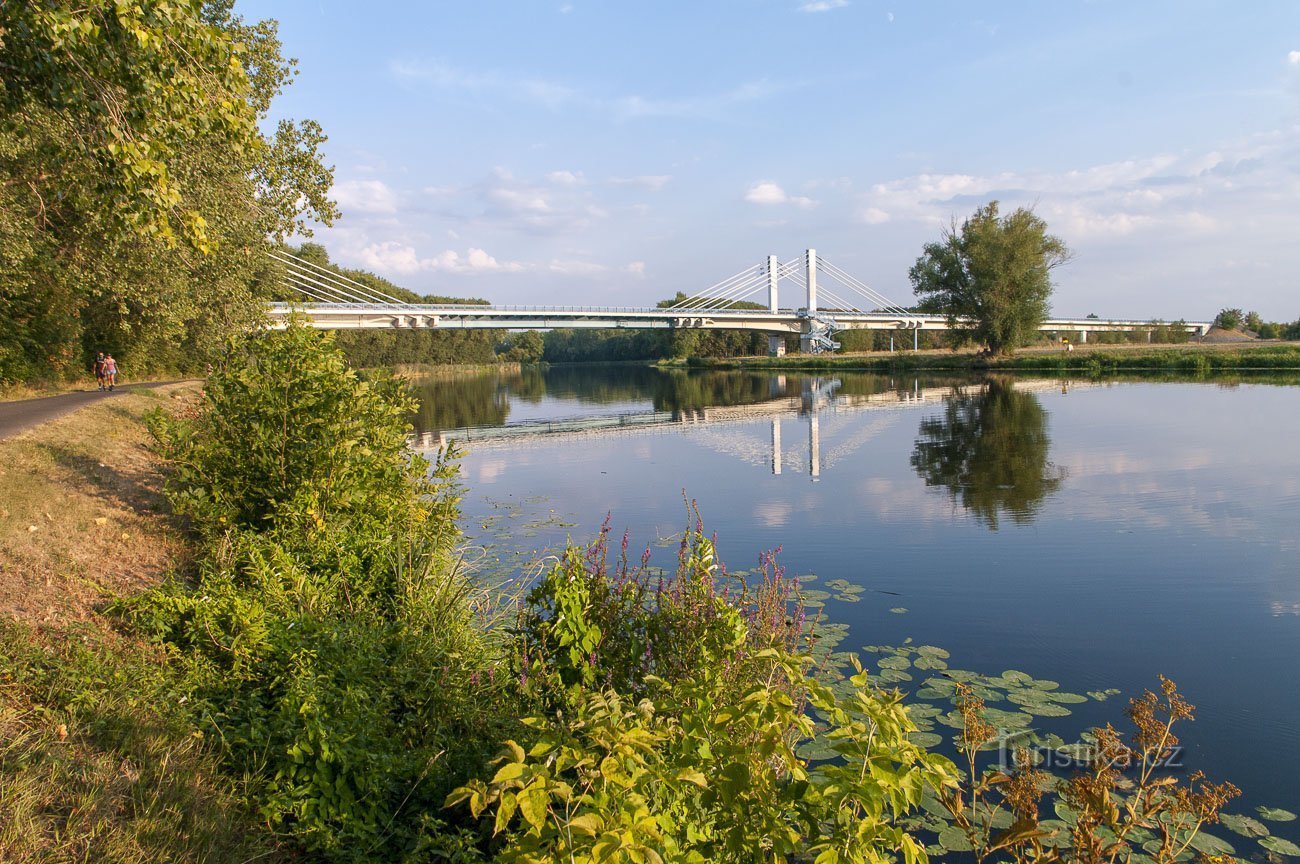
1083, 337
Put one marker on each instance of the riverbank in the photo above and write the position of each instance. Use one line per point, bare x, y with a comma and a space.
1088, 360
93, 763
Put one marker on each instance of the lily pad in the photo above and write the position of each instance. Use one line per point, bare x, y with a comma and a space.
1281, 846
926, 739
1028, 697
1017, 677
1067, 698
894, 676
1275, 814
1043, 684
928, 661
1244, 825
933, 651
954, 839
1208, 844
899, 610
1047, 709
848, 598
894, 662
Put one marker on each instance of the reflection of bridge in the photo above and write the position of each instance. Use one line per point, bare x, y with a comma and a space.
819, 403
336, 302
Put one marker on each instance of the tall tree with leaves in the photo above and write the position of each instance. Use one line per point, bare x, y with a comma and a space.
137, 190
991, 276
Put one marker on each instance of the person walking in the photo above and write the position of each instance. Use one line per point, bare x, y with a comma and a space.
98, 368
110, 372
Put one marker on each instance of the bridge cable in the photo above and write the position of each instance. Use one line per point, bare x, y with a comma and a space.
338, 286
311, 292
746, 275
352, 285
335, 293
865, 290
374, 295
348, 297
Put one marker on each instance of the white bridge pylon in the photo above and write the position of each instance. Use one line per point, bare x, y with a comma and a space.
331, 301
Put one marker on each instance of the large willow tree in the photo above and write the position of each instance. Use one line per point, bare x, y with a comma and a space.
137, 187
991, 276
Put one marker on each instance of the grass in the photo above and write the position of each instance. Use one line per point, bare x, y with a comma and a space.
97, 759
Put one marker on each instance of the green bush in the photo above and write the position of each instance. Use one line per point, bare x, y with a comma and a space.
331, 643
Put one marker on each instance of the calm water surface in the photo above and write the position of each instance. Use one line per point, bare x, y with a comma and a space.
1092, 534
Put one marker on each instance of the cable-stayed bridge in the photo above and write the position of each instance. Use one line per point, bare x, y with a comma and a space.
830, 300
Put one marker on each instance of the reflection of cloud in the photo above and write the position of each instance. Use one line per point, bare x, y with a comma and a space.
773, 513
490, 470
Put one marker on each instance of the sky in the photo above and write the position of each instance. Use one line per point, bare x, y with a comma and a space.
614, 153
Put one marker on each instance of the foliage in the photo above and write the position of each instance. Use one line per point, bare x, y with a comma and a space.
130, 156
1229, 319
331, 643
98, 763
524, 347
1124, 803
674, 713
991, 277
990, 449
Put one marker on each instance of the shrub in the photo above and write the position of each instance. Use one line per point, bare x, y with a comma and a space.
331, 644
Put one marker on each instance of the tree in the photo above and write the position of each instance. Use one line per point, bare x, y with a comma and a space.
137, 188
1229, 319
991, 276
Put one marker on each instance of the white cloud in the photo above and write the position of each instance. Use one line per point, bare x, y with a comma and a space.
576, 268
654, 182
636, 268
875, 216
768, 192
889, 16
394, 257
365, 196
822, 5
565, 178
1293, 57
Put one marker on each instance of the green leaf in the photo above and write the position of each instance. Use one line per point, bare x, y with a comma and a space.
1244, 825
533, 802
1281, 846
1275, 814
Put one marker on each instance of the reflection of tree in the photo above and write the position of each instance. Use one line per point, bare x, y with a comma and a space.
454, 402
990, 449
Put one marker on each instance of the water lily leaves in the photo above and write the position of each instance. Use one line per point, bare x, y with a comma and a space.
814, 595
899, 610
953, 839
1061, 836
1208, 844
929, 693
1017, 677
1064, 813
1244, 825
1028, 697
893, 676
926, 739
897, 661
1281, 846
933, 651
1042, 684
1006, 719
1275, 814
922, 712
816, 750
847, 598
1046, 709
927, 661
1067, 698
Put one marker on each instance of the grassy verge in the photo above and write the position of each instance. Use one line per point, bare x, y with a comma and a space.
96, 763
1096, 360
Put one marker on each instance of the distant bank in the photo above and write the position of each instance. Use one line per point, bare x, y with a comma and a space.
1085, 360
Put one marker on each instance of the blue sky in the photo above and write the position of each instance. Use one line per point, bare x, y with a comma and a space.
616, 152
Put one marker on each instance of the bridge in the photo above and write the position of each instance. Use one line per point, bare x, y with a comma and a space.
336, 302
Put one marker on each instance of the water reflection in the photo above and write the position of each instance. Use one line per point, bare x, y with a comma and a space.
990, 449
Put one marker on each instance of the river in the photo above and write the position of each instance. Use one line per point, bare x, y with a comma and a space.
1096, 534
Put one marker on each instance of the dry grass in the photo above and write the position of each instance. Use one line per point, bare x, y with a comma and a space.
81, 514
97, 760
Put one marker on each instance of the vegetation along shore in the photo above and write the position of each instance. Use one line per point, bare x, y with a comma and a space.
247, 633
